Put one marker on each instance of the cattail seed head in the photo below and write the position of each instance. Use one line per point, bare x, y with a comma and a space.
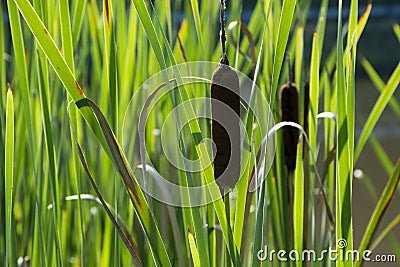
290, 112
225, 130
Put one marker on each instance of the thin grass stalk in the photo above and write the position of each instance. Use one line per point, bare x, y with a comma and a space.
79, 8
67, 47
343, 180
10, 253
2, 132
111, 80
52, 162
312, 126
299, 211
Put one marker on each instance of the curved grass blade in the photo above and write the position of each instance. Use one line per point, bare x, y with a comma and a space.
124, 235
380, 209
282, 124
136, 194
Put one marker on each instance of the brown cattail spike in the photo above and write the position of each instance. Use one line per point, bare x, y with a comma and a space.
225, 130
290, 112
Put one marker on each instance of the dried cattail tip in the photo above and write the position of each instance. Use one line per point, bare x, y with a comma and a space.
225, 130
290, 112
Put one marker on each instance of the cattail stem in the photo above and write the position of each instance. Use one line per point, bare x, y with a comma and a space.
224, 58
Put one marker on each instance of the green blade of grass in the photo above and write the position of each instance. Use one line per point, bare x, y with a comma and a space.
22, 68
381, 154
388, 229
195, 10
322, 24
298, 215
150, 31
350, 66
314, 93
110, 79
10, 259
2, 69
2, 132
66, 34
259, 224
298, 70
193, 250
343, 180
377, 110
370, 187
78, 16
67, 47
243, 183
19, 52
379, 83
380, 209
285, 23
54, 181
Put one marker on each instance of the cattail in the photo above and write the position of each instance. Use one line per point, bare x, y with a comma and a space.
225, 130
290, 112
225, 115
